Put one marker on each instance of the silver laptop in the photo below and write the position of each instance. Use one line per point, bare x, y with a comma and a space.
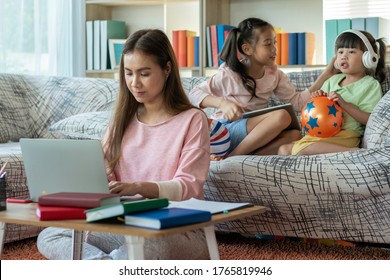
63, 165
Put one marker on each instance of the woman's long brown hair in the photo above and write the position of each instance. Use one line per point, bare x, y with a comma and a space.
155, 43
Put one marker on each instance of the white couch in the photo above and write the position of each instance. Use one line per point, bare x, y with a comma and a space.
339, 196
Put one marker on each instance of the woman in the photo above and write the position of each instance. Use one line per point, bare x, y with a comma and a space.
157, 145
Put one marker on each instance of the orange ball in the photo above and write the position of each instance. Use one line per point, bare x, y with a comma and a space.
321, 117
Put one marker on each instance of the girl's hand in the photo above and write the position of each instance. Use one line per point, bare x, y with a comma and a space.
121, 188
231, 111
334, 96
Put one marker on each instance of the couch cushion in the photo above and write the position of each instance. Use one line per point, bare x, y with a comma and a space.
14, 108
377, 128
91, 125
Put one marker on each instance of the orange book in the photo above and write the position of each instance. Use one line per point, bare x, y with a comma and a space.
284, 48
182, 39
190, 51
175, 43
279, 48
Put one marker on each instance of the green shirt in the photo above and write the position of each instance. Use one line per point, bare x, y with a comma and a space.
364, 94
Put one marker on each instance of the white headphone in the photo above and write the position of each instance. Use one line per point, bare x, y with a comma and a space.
370, 58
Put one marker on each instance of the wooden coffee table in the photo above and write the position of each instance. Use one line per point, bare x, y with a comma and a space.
25, 214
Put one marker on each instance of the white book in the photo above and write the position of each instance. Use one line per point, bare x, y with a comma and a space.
96, 45
89, 35
214, 207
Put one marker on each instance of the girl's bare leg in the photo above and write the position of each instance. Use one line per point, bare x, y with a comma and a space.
262, 130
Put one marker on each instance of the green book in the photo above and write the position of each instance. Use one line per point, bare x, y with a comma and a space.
120, 209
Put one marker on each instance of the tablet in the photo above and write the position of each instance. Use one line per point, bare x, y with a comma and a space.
288, 107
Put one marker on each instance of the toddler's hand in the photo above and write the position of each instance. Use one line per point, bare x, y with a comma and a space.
334, 96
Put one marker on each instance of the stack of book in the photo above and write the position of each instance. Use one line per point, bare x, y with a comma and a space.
296, 48
98, 33
71, 205
216, 35
377, 26
185, 44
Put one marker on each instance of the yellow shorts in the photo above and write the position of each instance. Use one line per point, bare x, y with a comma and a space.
347, 138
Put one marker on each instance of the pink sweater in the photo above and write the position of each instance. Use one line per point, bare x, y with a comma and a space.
175, 154
228, 84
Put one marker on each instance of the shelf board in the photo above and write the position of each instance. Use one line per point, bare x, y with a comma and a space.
132, 2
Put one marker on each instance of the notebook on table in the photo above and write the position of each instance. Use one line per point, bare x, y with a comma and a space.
63, 165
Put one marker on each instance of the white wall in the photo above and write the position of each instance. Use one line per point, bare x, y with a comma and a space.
291, 15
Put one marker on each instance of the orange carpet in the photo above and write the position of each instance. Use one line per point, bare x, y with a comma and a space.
237, 247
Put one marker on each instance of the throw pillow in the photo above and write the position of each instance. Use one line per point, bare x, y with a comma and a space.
377, 128
219, 138
91, 125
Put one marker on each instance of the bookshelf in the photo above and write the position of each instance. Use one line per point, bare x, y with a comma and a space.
170, 15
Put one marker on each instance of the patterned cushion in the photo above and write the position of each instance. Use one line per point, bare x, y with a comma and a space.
91, 125
377, 129
14, 110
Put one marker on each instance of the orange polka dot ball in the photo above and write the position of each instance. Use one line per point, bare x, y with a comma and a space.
321, 117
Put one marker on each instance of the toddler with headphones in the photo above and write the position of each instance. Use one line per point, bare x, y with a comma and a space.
357, 89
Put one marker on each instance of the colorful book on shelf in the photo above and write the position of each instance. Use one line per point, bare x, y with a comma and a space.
292, 48
222, 30
78, 199
358, 23
378, 27
306, 48
330, 37
190, 51
214, 45
343, 24
279, 48
175, 43
182, 46
208, 47
109, 29
167, 218
45, 213
196, 51
120, 209
284, 49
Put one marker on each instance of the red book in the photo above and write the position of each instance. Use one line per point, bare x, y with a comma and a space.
78, 199
45, 213
214, 45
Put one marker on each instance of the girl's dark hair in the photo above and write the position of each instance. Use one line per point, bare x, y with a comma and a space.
244, 33
154, 43
351, 40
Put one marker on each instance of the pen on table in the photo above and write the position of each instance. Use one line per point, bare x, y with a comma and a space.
3, 167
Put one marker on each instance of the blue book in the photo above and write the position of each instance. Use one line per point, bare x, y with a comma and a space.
221, 36
167, 218
293, 48
196, 51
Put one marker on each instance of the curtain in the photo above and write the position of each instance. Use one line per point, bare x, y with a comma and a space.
42, 37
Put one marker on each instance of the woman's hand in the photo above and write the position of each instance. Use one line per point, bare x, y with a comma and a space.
231, 111
145, 189
123, 188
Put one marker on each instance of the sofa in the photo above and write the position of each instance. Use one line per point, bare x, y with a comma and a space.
340, 196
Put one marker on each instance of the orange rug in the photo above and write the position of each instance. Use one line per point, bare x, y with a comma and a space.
237, 247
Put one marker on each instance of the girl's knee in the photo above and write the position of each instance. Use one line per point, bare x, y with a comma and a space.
285, 150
